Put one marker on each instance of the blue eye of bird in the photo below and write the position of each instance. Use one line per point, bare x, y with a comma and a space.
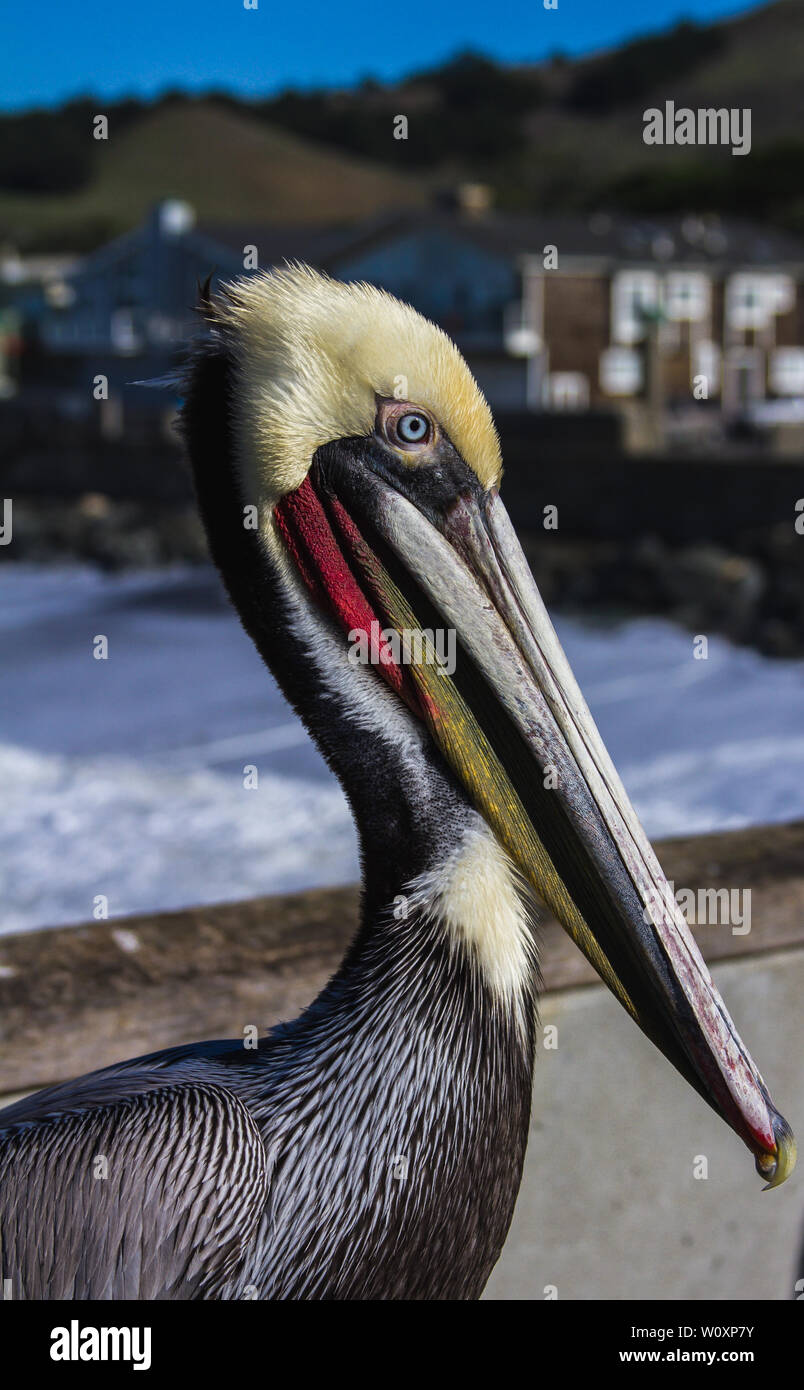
413, 428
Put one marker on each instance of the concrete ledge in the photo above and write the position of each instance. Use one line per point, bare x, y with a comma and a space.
76, 998
615, 1201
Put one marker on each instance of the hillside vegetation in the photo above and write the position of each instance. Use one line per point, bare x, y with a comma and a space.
558, 136
228, 164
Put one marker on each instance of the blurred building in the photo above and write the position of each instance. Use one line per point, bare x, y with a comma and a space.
123, 310
557, 314
568, 313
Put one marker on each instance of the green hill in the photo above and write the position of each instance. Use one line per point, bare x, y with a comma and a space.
563, 136
581, 154
229, 165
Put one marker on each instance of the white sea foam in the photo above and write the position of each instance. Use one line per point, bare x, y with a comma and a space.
148, 837
125, 777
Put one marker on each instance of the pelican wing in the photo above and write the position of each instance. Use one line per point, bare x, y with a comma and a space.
155, 1193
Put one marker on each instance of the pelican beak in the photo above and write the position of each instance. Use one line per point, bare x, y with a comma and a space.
511, 722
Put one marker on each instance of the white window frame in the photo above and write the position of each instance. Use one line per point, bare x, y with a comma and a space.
622, 371
124, 336
688, 296
628, 288
567, 391
787, 371
772, 294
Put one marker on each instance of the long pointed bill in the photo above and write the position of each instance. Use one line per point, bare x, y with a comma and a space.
513, 725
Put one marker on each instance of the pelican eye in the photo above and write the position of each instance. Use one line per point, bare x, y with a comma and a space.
404, 425
413, 428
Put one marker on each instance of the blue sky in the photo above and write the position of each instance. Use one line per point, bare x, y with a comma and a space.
54, 49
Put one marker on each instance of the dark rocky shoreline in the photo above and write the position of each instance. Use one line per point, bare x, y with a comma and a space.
752, 593
751, 590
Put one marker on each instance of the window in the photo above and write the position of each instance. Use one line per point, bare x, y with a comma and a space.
787, 371
566, 391
520, 337
633, 292
124, 337
621, 371
752, 300
687, 296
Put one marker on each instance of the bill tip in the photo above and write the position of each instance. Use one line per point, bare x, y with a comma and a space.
776, 1167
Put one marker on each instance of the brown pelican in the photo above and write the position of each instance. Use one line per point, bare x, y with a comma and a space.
347, 469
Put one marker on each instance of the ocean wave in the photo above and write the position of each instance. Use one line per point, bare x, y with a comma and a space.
149, 838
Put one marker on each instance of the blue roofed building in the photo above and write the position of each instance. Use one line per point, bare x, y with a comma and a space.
553, 313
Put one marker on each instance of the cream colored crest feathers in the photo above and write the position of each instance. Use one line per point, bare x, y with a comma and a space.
313, 354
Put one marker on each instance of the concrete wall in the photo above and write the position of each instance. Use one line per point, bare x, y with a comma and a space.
609, 1207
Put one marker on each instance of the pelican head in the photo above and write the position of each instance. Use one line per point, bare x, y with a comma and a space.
361, 519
